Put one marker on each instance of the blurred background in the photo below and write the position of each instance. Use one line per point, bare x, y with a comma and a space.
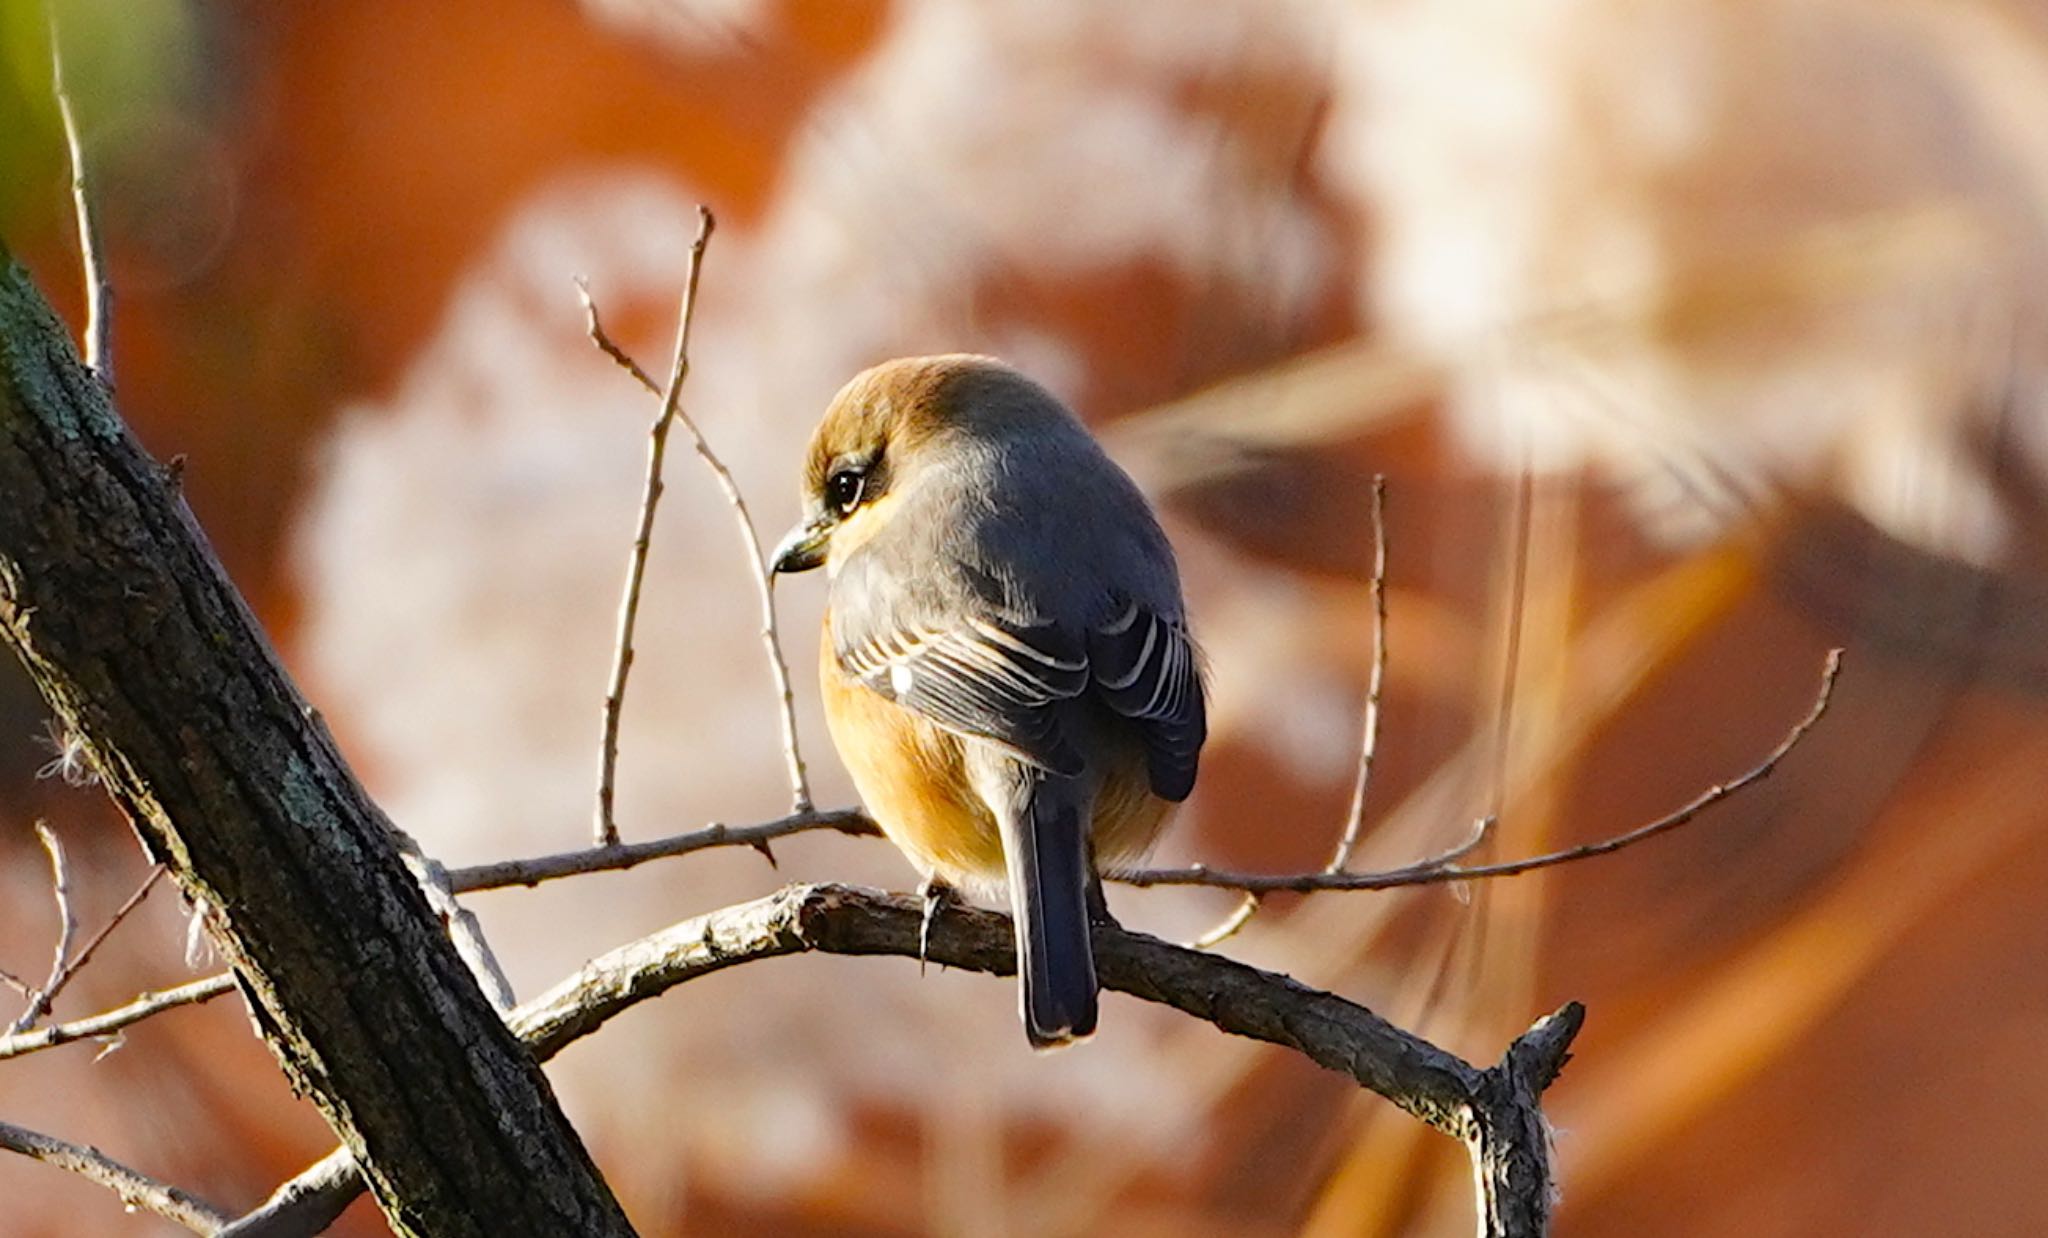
1692, 337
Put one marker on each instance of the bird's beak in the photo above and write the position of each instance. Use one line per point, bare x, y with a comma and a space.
804, 548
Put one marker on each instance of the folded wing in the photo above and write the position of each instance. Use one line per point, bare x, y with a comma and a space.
1144, 666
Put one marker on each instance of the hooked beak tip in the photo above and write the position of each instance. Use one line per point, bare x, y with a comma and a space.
801, 551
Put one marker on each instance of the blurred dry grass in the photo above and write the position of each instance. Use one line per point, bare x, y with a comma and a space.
1751, 290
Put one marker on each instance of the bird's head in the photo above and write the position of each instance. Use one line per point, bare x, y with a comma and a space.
894, 421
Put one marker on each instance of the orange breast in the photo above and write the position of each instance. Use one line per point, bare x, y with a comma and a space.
912, 778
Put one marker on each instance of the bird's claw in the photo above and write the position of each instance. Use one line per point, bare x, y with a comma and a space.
936, 895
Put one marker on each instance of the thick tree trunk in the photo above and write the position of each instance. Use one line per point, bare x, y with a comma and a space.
120, 611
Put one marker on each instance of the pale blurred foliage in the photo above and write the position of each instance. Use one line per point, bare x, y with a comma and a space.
693, 24
1713, 248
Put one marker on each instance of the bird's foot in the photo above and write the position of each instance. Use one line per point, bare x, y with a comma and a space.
1098, 905
936, 895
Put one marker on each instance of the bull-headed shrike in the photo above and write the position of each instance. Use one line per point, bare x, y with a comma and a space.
1007, 671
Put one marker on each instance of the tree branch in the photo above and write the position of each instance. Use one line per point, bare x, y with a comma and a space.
1369, 740
1442, 867
1494, 1111
135, 637
136, 1189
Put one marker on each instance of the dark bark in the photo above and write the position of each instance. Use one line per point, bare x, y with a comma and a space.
126, 622
1496, 1112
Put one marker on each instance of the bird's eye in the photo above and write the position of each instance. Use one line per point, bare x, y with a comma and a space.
843, 490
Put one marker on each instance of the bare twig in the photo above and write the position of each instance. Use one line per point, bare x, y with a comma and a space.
627, 855
1494, 1111
136, 1189
1444, 867
594, 326
1481, 831
84, 955
111, 1022
1228, 927
643, 539
67, 928
464, 933
16, 983
493, 876
304, 1205
99, 293
462, 926
1369, 741
750, 537
1440, 869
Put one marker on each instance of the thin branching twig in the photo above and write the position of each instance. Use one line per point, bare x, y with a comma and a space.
750, 537
530, 872
1438, 870
643, 538
626, 855
1369, 741
1446, 866
92, 944
99, 293
67, 928
66, 964
112, 1022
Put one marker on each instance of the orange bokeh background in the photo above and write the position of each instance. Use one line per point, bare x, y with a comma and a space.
1743, 291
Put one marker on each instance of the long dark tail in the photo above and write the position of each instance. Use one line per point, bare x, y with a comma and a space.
1046, 846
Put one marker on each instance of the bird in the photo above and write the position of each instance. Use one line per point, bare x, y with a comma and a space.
1006, 665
